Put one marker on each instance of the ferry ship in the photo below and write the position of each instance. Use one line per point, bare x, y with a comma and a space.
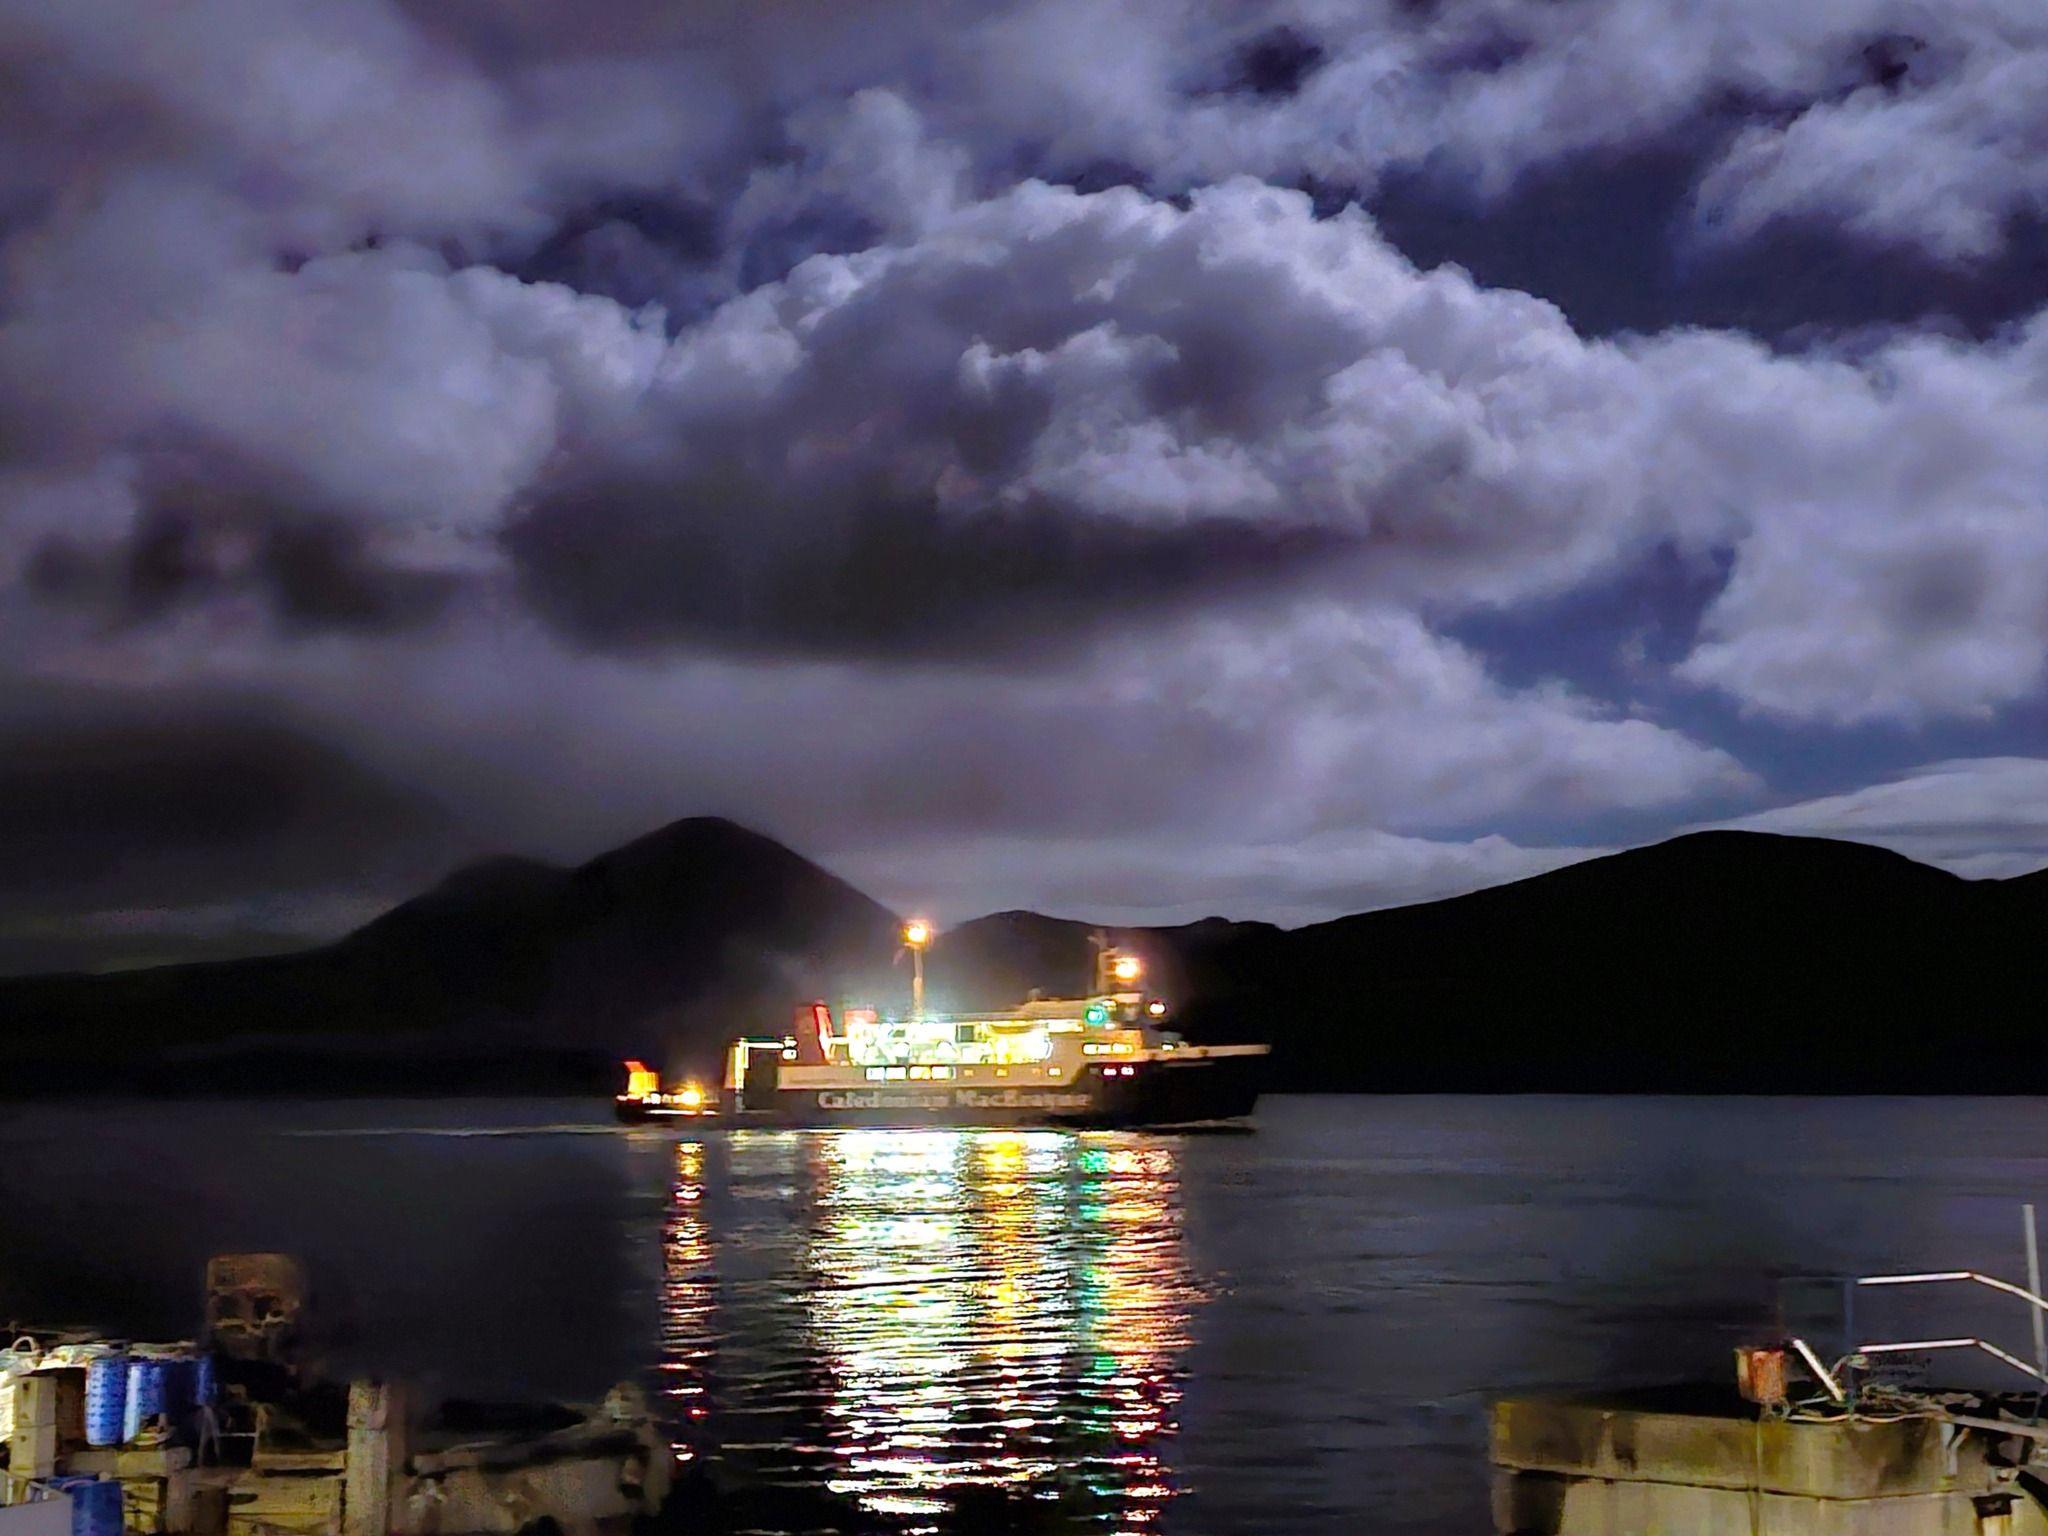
1107, 1059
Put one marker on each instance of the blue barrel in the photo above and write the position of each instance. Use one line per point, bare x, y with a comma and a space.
205, 1381
95, 1504
148, 1380
106, 1399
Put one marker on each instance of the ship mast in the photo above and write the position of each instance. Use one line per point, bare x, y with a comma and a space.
917, 936
1116, 969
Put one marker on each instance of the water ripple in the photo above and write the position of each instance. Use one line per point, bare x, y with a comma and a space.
937, 1330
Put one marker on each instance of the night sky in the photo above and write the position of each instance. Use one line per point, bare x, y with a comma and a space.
1132, 461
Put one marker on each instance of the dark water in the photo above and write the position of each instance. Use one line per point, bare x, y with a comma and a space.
1296, 1330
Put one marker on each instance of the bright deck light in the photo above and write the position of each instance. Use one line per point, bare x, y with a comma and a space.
1127, 968
917, 933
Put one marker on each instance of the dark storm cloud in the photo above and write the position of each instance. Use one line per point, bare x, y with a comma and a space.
548, 406
1024, 452
626, 566
1235, 723
308, 572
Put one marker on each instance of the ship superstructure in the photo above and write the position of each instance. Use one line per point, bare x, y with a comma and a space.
1108, 1058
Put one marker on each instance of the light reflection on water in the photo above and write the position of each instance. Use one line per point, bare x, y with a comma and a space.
1357, 1279
689, 1298
935, 1330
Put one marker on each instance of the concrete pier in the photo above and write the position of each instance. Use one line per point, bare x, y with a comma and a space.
1695, 1465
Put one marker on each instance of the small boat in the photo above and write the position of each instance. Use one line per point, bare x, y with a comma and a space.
1107, 1059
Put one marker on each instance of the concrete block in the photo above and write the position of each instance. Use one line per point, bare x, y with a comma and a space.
1578, 1469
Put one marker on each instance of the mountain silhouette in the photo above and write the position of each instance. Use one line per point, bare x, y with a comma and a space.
1718, 961
508, 974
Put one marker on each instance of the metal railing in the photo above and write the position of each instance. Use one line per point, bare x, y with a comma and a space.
2038, 1370
1843, 1385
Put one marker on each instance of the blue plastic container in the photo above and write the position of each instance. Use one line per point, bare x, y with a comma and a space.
106, 1399
149, 1379
95, 1504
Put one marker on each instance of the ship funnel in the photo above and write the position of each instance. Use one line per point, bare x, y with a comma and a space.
813, 1030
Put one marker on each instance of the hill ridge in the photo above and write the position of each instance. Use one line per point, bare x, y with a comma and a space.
1717, 960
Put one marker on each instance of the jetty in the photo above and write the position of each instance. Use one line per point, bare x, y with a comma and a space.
1794, 1446
1703, 1464
226, 1436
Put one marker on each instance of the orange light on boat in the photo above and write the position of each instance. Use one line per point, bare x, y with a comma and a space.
1127, 968
642, 1081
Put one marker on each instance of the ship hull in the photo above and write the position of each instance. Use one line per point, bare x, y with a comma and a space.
638, 1112
1157, 1094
